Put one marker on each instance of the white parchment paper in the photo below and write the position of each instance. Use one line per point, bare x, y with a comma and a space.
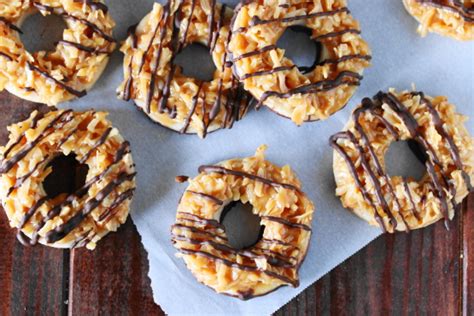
437, 65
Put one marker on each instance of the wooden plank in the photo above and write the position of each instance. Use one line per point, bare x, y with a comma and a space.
416, 273
468, 257
31, 279
112, 279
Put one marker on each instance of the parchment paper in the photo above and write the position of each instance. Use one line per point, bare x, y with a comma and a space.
437, 65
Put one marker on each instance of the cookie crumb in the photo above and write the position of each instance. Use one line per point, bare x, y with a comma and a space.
181, 179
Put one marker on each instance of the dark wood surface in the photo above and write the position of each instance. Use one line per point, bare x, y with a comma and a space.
429, 271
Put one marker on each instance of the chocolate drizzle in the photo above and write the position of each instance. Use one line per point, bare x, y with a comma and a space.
435, 169
94, 5
100, 142
63, 118
61, 12
225, 171
336, 33
232, 264
255, 21
58, 122
207, 197
6, 56
10, 25
178, 41
456, 6
315, 87
126, 95
91, 50
219, 243
63, 230
57, 82
287, 223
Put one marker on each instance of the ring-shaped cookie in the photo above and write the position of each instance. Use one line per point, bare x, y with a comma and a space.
157, 85
437, 136
82, 218
285, 211
274, 80
72, 68
453, 18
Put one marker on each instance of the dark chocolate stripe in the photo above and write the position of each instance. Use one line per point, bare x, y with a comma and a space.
286, 222
156, 55
279, 242
82, 240
413, 127
320, 86
345, 58
455, 6
126, 95
63, 230
267, 72
272, 260
353, 170
336, 33
217, 32
62, 12
210, 22
121, 152
232, 264
19, 182
95, 5
6, 56
34, 122
367, 104
412, 202
225, 171
99, 143
255, 52
207, 197
257, 21
453, 148
92, 50
200, 231
202, 220
10, 25
187, 121
7, 164
188, 24
116, 203
57, 82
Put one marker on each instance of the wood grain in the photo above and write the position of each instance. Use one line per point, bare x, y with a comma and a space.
429, 271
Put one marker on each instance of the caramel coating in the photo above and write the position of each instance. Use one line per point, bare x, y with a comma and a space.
285, 211
448, 18
160, 89
85, 216
397, 203
72, 68
274, 80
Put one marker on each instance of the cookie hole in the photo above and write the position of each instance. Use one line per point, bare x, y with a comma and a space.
41, 33
300, 48
196, 62
67, 176
405, 159
242, 227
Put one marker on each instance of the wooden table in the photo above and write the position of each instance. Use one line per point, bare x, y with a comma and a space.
429, 271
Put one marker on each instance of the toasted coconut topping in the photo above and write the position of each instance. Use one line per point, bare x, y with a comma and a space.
453, 18
308, 93
79, 219
285, 211
158, 86
439, 139
68, 71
